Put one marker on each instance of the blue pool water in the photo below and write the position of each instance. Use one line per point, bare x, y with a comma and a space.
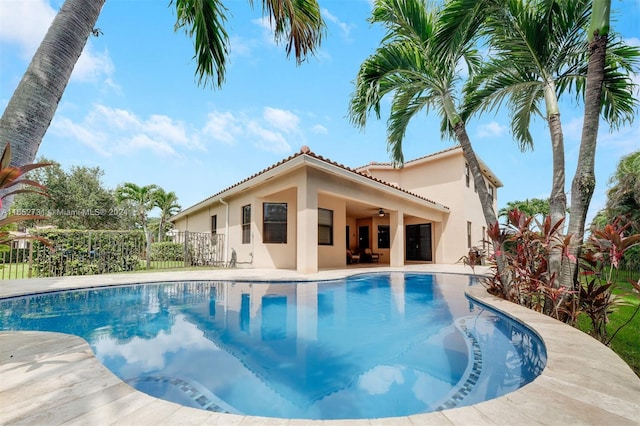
376, 345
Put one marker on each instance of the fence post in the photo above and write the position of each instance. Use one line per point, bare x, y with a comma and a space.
186, 249
30, 264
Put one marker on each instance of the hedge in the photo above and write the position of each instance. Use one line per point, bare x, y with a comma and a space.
167, 251
87, 252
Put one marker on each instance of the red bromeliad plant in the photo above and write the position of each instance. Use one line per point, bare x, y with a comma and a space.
11, 183
601, 256
526, 244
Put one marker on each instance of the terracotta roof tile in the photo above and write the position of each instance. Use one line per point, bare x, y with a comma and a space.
305, 150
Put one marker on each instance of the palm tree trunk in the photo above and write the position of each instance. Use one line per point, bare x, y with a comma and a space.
160, 227
33, 104
557, 198
584, 180
486, 200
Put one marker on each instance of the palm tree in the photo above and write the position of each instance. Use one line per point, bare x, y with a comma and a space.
623, 196
167, 202
30, 110
418, 74
532, 207
142, 199
600, 72
537, 53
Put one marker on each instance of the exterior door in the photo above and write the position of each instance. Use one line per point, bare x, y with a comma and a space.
419, 242
363, 237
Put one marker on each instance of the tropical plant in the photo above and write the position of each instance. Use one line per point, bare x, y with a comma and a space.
602, 254
142, 201
537, 52
526, 244
167, 202
623, 195
417, 73
34, 102
12, 182
532, 207
608, 89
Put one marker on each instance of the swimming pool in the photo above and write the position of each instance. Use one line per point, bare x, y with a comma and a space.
377, 345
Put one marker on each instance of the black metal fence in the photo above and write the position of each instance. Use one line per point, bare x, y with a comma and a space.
100, 252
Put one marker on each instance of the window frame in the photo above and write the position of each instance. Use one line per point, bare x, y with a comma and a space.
268, 234
214, 224
469, 245
246, 224
467, 174
325, 226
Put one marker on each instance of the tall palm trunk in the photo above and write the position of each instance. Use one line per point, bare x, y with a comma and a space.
584, 181
486, 201
147, 238
31, 108
160, 229
557, 197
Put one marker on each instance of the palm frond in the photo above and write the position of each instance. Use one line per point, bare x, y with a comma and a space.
404, 19
204, 21
298, 22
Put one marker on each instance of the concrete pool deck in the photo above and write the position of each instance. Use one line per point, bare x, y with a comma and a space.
51, 378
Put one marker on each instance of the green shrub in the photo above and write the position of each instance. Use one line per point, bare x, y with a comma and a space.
87, 252
167, 251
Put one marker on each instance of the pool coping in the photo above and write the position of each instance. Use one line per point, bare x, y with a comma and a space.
54, 378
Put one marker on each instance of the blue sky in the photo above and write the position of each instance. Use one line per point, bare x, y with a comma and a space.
133, 106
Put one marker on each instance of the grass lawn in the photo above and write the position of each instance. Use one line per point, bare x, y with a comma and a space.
14, 271
627, 342
20, 270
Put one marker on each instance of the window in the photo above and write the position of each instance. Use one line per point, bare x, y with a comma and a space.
274, 227
214, 224
467, 177
246, 224
325, 227
469, 234
384, 242
491, 192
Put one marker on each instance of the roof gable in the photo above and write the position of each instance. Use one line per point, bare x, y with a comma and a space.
304, 157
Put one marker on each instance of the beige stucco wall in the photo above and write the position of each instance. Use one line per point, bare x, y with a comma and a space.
441, 178
305, 189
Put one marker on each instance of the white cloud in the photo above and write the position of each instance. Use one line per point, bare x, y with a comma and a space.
222, 127
83, 134
320, 129
492, 129
283, 120
267, 140
266, 133
27, 34
94, 67
344, 27
114, 131
268, 29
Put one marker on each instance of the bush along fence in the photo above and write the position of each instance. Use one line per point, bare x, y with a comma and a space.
104, 252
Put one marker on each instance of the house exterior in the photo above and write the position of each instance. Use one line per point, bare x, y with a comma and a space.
306, 211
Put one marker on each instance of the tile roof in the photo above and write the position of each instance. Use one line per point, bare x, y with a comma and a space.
305, 150
388, 163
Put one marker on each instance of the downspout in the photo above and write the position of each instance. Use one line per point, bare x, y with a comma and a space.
226, 230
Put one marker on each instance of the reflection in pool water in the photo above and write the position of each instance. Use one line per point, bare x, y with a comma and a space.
377, 345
